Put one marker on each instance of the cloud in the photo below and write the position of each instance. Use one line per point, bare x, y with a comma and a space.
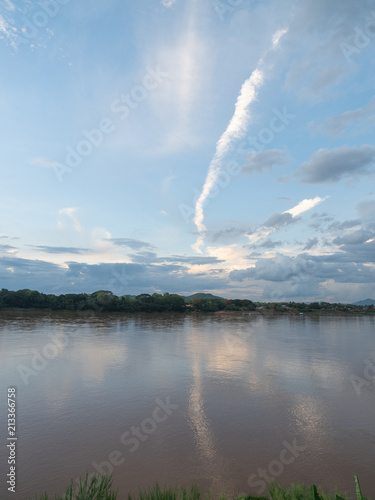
264, 161
7, 31
128, 242
355, 238
228, 234
168, 3
306, 276
42, 162
279, 220
311, 243
288, 217
7, 247
121, 278
269, 244
234, 131
366, 209
327, 166
353, 119
314, 40
71, 213
152, 258
340, 226
305, 205
277, 36
58, 250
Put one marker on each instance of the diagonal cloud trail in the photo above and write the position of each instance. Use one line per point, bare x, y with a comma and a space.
235, 130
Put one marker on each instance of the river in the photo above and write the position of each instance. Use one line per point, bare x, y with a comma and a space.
226, 401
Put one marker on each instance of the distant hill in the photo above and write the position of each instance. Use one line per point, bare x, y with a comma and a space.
366, 302
206, 296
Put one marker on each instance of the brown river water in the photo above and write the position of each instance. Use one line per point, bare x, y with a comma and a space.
228, 402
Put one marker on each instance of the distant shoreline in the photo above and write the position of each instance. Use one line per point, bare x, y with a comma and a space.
264, 313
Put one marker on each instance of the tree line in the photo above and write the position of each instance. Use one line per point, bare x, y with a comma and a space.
106, 301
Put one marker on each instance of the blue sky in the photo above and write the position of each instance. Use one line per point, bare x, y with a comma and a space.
223, 146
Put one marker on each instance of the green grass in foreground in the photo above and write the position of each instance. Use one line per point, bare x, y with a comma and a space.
100, 488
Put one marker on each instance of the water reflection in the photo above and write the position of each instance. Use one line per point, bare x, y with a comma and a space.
243, 386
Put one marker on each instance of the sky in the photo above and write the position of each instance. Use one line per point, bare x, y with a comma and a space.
182, 146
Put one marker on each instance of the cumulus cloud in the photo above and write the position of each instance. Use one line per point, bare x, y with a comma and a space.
264, 161
331, 165
121, 278
355, 238
305, 275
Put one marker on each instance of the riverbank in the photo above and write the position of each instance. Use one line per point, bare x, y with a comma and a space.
266, 313
100, 488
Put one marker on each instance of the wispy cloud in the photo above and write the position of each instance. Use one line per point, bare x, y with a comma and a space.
289, 216
71, 213
305, 205
42, 162
168, 3
58, 250
234, 131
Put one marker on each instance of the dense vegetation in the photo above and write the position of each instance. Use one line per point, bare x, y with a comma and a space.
105, 301
100, 488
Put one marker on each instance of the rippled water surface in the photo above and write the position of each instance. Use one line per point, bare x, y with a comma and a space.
179, 399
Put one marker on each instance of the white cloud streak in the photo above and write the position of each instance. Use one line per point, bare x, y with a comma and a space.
234, 131
302, 206
305, 205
